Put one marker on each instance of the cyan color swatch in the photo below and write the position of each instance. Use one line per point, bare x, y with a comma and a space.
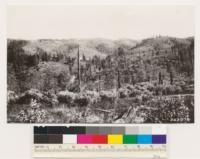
144, 139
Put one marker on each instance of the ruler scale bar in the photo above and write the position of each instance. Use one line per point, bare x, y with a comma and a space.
86, 151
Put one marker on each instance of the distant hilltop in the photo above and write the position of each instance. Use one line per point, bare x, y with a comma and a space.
98, 46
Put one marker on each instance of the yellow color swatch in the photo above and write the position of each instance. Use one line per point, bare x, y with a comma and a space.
115, 139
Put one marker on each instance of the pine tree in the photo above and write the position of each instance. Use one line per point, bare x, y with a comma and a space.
83, 58
160, 78
171, 77
118, 79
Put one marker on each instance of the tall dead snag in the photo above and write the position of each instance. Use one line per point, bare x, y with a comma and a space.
119, 54
99, 74
118, 80
78, 70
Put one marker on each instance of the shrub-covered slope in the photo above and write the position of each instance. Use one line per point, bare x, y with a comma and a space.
112, 80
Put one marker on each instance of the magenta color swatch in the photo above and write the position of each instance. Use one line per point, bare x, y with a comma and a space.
84, 139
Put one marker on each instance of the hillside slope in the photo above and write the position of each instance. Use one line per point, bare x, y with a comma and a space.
144, 60
101, 81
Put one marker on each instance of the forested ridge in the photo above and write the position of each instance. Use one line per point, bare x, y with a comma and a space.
101, 81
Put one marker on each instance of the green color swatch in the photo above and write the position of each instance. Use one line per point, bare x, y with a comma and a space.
130, 139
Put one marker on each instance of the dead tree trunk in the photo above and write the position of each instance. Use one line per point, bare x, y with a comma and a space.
78, 70
99, 75
118, 79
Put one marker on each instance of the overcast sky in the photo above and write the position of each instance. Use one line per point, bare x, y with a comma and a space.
87, 21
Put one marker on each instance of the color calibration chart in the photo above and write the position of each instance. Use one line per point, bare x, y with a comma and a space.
130, 142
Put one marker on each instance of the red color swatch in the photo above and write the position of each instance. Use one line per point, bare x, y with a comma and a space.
99, 139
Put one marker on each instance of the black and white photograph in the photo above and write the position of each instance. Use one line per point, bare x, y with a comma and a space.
127, 64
